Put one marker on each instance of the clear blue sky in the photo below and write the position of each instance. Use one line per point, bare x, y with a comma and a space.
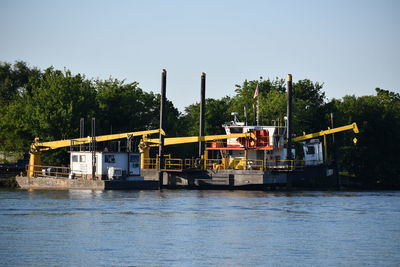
350, 46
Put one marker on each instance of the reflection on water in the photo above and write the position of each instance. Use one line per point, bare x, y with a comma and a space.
199, 228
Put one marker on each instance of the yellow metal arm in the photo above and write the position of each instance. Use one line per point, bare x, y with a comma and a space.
43, 146
194, 139
352, 126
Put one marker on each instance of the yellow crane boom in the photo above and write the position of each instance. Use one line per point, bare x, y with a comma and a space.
352, 126
145, 144
43, 146
37, 147
194, 139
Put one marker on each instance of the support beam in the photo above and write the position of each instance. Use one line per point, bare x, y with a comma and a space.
162, 125
352, 126
202, 112
289, 129
335, 160
93, 147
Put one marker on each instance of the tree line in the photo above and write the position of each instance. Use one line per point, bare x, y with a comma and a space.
49, 104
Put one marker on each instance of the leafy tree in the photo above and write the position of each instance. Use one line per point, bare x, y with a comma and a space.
308, 103
51, 109
309, 114
269, 90
16, 83
57, 104
123, 107
375, 157
217, 113
16, 80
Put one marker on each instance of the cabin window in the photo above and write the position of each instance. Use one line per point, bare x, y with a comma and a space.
310, 150
109, 159
134, 158
82, 158
75, 158
236, 130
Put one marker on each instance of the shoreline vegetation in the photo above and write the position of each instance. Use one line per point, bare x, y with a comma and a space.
8, 182
49, 104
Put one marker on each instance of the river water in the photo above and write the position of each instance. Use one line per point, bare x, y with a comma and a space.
199, 228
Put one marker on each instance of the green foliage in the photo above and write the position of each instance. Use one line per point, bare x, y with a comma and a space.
272, 100
217, 113
123, 107
309, 114
375, 157
49, 105
308, 103
57, 104
16, 80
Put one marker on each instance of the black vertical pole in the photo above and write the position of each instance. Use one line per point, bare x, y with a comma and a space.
289, 130
93, 143
335, 161
162, 125
289, 118
202, 111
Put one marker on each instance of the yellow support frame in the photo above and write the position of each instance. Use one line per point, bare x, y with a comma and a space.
194, 139
43, 146
352, 126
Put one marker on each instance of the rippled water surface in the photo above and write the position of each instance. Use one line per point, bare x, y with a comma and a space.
199, 228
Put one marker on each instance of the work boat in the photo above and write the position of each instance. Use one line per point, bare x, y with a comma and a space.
262, 161
91, 167
245, 157
250, 156
267, 150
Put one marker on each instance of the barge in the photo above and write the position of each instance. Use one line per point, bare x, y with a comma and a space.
89, 168
245, 157
257, 161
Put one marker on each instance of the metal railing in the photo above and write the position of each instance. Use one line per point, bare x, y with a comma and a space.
237, 164
173, 164
189, 163
53, 171
151, 163
280, 165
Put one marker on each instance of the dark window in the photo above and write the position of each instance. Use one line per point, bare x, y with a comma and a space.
310, 150
75, 158
236, 130
134, 158
109, 159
